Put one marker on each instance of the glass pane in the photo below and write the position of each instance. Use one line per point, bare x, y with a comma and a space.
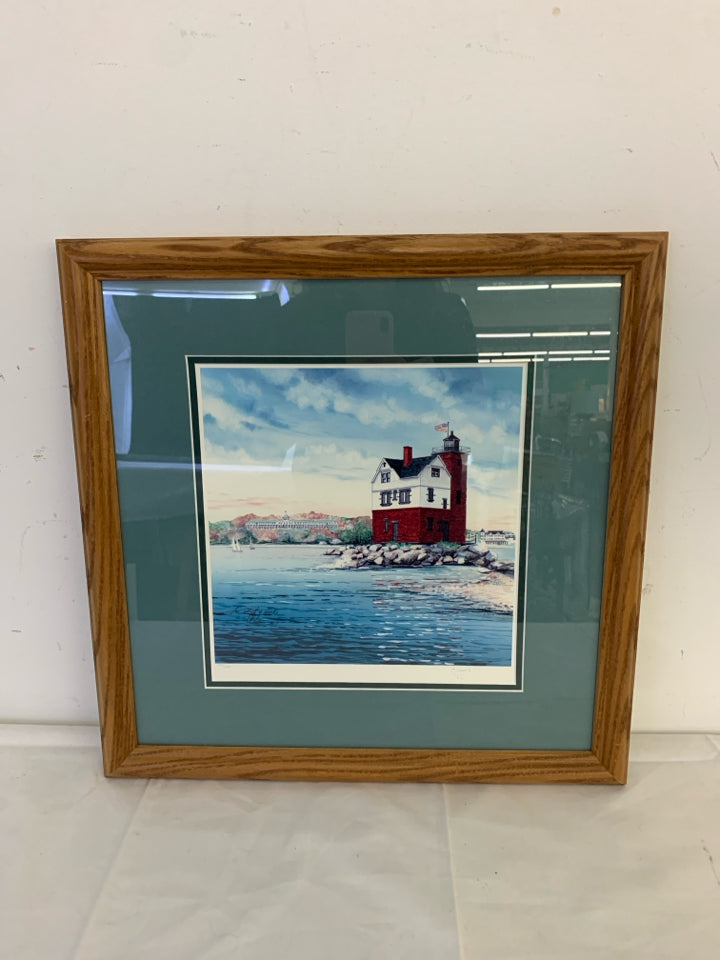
518, 370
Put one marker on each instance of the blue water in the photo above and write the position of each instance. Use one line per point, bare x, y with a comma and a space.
285, 604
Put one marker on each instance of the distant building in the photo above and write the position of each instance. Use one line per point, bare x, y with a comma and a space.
421, 499
306, 524
496, 538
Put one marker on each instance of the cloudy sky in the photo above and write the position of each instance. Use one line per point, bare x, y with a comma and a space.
297, 438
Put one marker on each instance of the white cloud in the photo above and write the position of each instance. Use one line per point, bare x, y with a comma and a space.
330, 460
225, 414
323, 397
493, 482
215, 453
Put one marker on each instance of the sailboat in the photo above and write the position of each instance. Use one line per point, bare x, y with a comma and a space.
236, 548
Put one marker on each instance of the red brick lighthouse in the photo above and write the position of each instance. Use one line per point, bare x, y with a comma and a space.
421, 499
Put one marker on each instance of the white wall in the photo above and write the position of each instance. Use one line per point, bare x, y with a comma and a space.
273, 116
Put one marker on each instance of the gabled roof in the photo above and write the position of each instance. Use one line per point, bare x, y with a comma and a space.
413, 469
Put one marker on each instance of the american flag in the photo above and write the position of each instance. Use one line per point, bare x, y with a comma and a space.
443, 426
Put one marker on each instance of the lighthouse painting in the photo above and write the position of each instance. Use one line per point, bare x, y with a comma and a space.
360, 525
422, 499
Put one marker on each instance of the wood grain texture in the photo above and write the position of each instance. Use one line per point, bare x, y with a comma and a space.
635, 390
638, 257
319, 763
360, 256
99, 507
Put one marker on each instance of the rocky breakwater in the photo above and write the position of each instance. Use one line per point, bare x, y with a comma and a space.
419, 555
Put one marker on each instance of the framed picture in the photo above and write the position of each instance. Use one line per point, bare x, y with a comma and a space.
365, 508
360, 570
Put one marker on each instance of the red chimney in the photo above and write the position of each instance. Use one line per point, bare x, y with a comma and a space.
407, 456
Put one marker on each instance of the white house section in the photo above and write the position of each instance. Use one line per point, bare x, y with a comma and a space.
417, 482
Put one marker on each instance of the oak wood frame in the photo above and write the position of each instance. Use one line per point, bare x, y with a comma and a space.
638, 257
